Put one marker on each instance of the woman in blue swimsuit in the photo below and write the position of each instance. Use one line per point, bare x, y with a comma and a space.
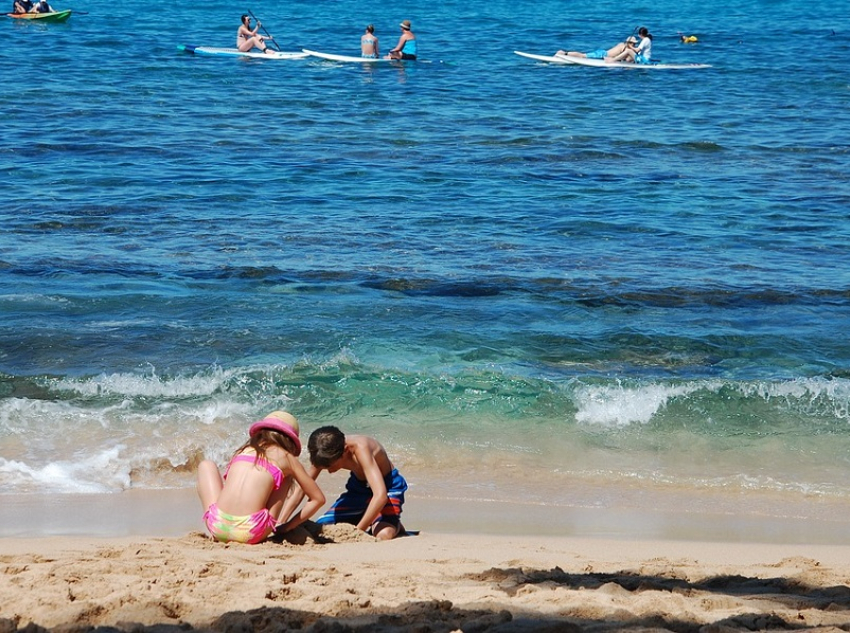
406, 47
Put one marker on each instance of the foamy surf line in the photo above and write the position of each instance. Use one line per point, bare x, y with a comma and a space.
176, 512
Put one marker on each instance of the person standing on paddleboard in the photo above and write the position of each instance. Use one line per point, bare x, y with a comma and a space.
369, 44
406, 47
246, 39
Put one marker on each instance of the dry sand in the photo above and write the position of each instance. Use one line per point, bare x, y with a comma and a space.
342, 580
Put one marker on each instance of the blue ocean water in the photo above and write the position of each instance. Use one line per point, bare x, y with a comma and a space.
531, 282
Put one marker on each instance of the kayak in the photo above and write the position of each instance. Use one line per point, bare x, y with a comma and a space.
235, 52
55, 16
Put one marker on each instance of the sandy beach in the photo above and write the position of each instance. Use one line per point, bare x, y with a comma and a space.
436, 580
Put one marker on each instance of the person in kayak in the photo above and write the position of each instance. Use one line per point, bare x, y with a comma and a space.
22, 6
246, 39
42, 7
406, 47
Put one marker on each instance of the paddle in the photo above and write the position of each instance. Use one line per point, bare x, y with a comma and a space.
268, 35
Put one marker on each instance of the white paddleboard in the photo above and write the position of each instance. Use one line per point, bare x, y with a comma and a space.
349, 58
235, 52
601, 63
553, 59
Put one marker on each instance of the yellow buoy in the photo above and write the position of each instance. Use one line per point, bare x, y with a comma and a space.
689, 39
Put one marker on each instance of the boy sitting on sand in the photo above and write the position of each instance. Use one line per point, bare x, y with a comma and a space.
374, 493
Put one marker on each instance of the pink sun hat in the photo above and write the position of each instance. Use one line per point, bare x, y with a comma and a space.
282, 422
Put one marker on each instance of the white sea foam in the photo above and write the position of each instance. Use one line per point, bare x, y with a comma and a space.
621, 405
148, 384
104, 471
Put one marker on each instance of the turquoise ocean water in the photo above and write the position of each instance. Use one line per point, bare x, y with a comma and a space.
531, 282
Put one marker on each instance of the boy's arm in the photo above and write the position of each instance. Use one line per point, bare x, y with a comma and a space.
376, 482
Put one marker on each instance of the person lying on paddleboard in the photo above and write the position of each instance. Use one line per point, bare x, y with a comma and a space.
639, 54
406, 47
601, 53
246, 39
369, 44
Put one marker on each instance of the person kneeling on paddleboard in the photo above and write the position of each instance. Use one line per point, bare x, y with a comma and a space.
246, 39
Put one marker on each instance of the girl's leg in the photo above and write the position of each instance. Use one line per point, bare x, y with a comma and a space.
209, 483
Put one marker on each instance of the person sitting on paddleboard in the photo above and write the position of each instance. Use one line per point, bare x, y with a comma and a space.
22, 6
601, 53
246, 39
639, 54
406, 47
369, 44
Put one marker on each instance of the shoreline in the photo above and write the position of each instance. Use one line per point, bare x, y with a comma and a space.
139, 561
430, 582
176, 512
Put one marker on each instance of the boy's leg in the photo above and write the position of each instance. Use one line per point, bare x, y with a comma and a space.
384, 531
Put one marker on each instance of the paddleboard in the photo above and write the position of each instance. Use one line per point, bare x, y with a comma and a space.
601, 63
350, 58
552, 59
55, 16
235, 52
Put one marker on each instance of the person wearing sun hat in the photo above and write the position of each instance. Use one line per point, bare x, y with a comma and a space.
245, 504
406, 47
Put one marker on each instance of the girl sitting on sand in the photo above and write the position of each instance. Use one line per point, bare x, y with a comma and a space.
244, 505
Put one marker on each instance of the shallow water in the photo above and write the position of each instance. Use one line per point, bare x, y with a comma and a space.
529, 281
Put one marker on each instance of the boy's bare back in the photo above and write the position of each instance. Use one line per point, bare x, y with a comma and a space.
361, 453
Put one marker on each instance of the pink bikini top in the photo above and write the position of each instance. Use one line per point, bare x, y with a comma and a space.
273, 470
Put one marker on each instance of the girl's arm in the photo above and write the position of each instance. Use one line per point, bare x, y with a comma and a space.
306, 485
296, 496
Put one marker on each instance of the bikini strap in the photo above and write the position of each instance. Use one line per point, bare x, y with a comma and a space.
272, 469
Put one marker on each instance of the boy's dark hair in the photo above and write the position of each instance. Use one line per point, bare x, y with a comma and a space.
326, 445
